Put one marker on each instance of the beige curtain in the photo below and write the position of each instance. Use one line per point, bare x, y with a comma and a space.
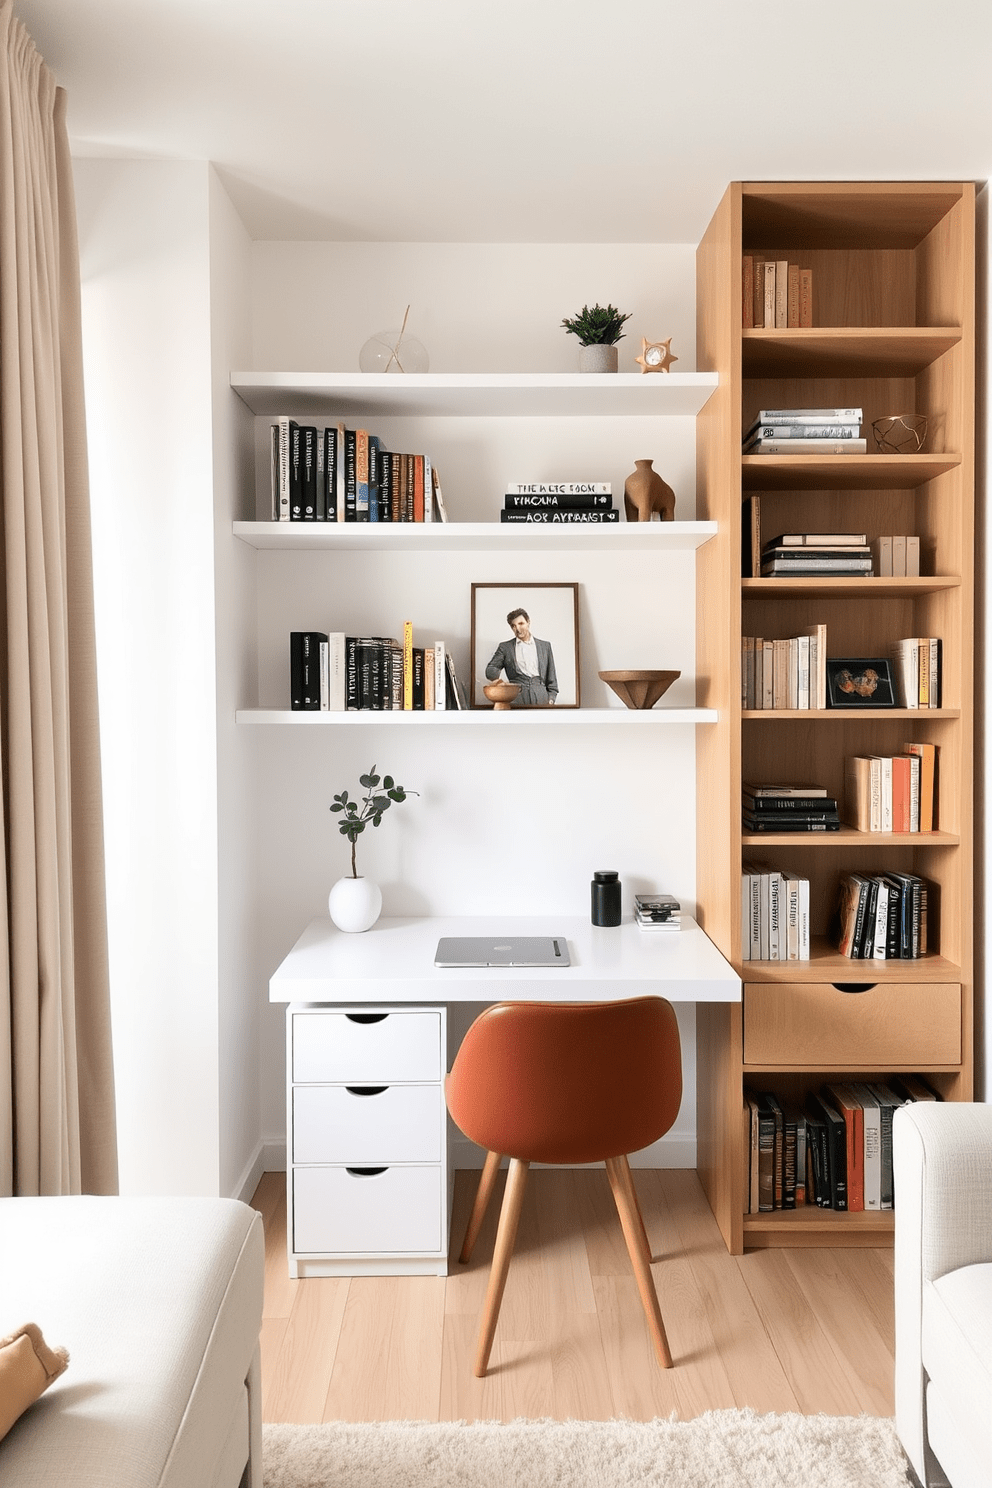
57, 1127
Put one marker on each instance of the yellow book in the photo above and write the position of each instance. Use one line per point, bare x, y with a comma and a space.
408, 666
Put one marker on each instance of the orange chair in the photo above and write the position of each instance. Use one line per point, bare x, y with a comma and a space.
565, 1083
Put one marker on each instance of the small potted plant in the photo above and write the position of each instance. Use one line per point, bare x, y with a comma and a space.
598, 330
354, 902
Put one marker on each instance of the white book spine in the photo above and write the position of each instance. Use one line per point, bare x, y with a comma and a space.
899, 557
934, 672
912, 557
440, 677
804, 944
428, 490
283, 424
802, 698
775, 925
336, 672
885, 793
881, 921
873, 1156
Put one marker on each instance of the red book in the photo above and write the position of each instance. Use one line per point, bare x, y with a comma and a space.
418, 488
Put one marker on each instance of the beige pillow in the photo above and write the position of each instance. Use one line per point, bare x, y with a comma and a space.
27, 1368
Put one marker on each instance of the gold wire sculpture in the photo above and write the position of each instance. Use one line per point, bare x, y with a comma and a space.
900, 433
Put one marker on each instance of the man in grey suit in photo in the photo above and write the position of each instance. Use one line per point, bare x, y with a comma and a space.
527, 661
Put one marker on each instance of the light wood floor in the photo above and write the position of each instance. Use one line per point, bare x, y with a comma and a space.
800, 1330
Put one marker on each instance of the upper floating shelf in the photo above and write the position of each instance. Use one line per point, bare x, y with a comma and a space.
468, 537
844, 351
475, 394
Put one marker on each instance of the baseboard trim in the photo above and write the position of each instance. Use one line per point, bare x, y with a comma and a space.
268, 1157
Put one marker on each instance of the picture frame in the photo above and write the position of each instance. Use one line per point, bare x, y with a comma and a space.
860, 682
553, 611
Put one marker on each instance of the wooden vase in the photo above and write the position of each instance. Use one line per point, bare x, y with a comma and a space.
645, 492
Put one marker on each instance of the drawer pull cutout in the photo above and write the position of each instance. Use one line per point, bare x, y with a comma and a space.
366, 1089
854, 987
366, 1017
365, 1172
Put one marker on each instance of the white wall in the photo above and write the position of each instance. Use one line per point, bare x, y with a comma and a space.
143, 230
502, 823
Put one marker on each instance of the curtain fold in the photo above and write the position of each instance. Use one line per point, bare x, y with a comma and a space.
57, 1118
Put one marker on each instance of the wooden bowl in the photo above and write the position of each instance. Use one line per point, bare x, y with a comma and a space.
501, 694
639, 689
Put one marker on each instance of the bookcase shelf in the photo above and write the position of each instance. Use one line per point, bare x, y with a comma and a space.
893, 307
465, 537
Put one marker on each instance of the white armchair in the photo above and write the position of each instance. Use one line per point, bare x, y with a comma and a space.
942, 1154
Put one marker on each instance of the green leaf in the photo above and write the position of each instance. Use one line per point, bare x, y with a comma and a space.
387, 781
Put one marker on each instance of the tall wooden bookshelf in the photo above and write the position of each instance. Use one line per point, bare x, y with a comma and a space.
893, 332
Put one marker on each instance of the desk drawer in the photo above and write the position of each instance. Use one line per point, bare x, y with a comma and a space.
398, 1123
893, 1023
337, 1212
332, 1046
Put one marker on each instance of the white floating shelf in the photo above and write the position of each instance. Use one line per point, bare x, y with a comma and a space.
455, 537
478, 717
475, 394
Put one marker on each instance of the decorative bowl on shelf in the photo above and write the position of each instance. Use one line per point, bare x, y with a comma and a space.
639, 689
501, 694
900, 433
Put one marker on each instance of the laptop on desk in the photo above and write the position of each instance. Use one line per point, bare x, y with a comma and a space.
506, 950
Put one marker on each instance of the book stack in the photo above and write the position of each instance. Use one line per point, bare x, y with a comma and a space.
774, 914
917, 667
788, 808
789, 673
882, 917
892, 794
338, 673
810, 555
835, 1152
335, 474
896, 557
657, 912
559, 502
775, 293
805, 431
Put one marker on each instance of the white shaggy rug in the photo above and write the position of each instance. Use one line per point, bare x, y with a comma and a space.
722, 1449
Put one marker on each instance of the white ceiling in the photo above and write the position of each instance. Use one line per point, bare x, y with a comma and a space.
521, 120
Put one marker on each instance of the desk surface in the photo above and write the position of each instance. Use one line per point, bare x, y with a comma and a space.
394, 962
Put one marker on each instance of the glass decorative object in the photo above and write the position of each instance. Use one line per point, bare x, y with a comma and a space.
900, 433
394, 351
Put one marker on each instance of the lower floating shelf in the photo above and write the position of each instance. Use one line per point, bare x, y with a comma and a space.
477, 717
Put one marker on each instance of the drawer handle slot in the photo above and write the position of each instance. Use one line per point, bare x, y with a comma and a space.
366, 1017
366, 1089
854, 987
365, 1172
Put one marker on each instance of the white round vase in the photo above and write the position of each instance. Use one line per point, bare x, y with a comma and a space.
354, 903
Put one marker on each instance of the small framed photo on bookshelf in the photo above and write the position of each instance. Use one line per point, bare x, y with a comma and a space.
525, 635
860, 682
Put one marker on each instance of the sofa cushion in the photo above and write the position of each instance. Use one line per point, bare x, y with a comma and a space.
27, 1367
159, 1303
957, 1350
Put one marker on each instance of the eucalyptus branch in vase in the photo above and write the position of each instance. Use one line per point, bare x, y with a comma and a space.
358, 814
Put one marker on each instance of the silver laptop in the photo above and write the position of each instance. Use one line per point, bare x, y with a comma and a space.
507, 950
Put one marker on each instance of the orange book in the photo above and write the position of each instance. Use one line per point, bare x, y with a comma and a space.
902, 816
928, 782
418, 488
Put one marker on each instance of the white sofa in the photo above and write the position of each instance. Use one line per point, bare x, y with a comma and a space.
159, 1303
943, 1291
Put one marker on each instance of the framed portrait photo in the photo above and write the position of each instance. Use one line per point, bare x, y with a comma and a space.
860, 682
528, 635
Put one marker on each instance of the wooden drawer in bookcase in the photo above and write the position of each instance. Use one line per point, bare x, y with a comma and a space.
797, 1024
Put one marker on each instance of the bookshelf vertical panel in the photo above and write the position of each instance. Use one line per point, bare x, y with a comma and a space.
893, 292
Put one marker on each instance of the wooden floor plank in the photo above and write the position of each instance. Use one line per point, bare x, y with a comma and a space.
808, 1330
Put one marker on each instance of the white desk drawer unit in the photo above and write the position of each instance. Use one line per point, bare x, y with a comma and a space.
368, 1180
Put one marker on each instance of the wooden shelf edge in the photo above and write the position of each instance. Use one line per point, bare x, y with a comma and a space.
868, 587
842, 715
827, 965
848, 837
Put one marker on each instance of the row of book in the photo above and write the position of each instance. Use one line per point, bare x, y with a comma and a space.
835, 1151
774, 914
826, 555
893, 794
336, 474
805, 431
802, 808
657, 912
785, 673
337, 673
775, 294
559, 502
918, 667
883, 916
896, 556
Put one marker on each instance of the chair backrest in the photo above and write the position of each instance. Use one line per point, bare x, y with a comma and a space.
568, 1082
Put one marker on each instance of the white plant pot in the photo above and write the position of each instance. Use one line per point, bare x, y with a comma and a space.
598, 358
354, 903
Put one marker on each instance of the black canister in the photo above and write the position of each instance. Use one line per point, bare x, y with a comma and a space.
606, 897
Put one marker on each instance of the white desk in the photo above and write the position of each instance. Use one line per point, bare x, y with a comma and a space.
369, 1190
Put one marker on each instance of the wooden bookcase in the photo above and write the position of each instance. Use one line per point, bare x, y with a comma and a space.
893, 332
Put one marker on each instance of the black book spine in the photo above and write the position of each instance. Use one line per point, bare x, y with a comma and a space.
418, 678
558, 501
308, 475
331, 474
350, 488
561, 517
351, 674
385, 461
295, 474
373, 478
321, 497
787, 804
304, 670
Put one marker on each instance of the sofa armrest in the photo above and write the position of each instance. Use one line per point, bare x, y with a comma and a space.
942, 1162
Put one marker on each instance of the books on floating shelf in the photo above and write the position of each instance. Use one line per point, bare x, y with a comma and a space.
560, 502
337, 673
336, 474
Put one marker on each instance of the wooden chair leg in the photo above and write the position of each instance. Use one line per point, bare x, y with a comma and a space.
483, 1194
628, 1178
636, 1246
506, 1234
